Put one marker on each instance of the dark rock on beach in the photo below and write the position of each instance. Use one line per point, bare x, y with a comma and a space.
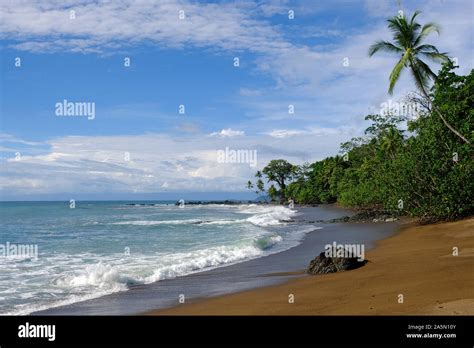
323, 264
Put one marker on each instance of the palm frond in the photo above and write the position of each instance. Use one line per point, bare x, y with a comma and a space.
436, 56
407, 40
419, 82
425, 69
404, 32
395, 25
397, 70
417, 12
383, 46
426, 48
421, 74
426, 30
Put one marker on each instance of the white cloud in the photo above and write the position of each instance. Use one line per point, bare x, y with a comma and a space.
327, 93
227, 133
157, 163
313, 131
47, 26
298, 69
381, 8
8, 138
309, 76
284, 133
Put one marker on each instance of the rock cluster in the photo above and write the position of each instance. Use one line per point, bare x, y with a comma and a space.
323, 264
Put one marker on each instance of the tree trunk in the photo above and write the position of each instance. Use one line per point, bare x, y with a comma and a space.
451, 128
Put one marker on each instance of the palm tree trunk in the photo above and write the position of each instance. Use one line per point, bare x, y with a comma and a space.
451, 128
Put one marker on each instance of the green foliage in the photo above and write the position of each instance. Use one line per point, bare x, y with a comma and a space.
425, 171
278, 172
436, 167
408, 37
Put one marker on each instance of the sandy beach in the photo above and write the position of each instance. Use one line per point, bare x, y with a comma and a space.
417, 262
272, 267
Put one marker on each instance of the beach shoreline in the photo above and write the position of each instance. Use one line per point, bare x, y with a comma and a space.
422, 270
273, 268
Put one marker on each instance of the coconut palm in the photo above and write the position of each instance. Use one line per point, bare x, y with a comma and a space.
390, 141
408, 37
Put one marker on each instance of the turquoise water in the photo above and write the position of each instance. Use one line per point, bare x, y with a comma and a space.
99, 248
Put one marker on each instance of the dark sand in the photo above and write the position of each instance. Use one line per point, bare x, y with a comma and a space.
418, 263
269, 270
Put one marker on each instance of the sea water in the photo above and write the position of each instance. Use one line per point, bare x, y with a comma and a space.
98, 248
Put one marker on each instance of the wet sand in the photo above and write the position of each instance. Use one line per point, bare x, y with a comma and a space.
417, 263
276, 268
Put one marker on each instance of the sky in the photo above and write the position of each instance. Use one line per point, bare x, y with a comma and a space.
302, 86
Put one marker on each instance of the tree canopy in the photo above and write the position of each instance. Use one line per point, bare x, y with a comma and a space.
410, 166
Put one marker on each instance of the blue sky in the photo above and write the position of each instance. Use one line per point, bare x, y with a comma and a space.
190, 61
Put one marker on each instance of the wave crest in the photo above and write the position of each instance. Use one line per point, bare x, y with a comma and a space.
261, 216
269, 216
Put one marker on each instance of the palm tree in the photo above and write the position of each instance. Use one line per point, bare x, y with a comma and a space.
390, 141
408, 37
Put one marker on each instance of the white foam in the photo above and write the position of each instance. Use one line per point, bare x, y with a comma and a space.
223, 222
78, 277
182, 264
99, 275
157, 222
103, 278
178, 222
267, 242
269, 215
263, 215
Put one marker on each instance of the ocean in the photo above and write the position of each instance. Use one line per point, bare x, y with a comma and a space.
99, 248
